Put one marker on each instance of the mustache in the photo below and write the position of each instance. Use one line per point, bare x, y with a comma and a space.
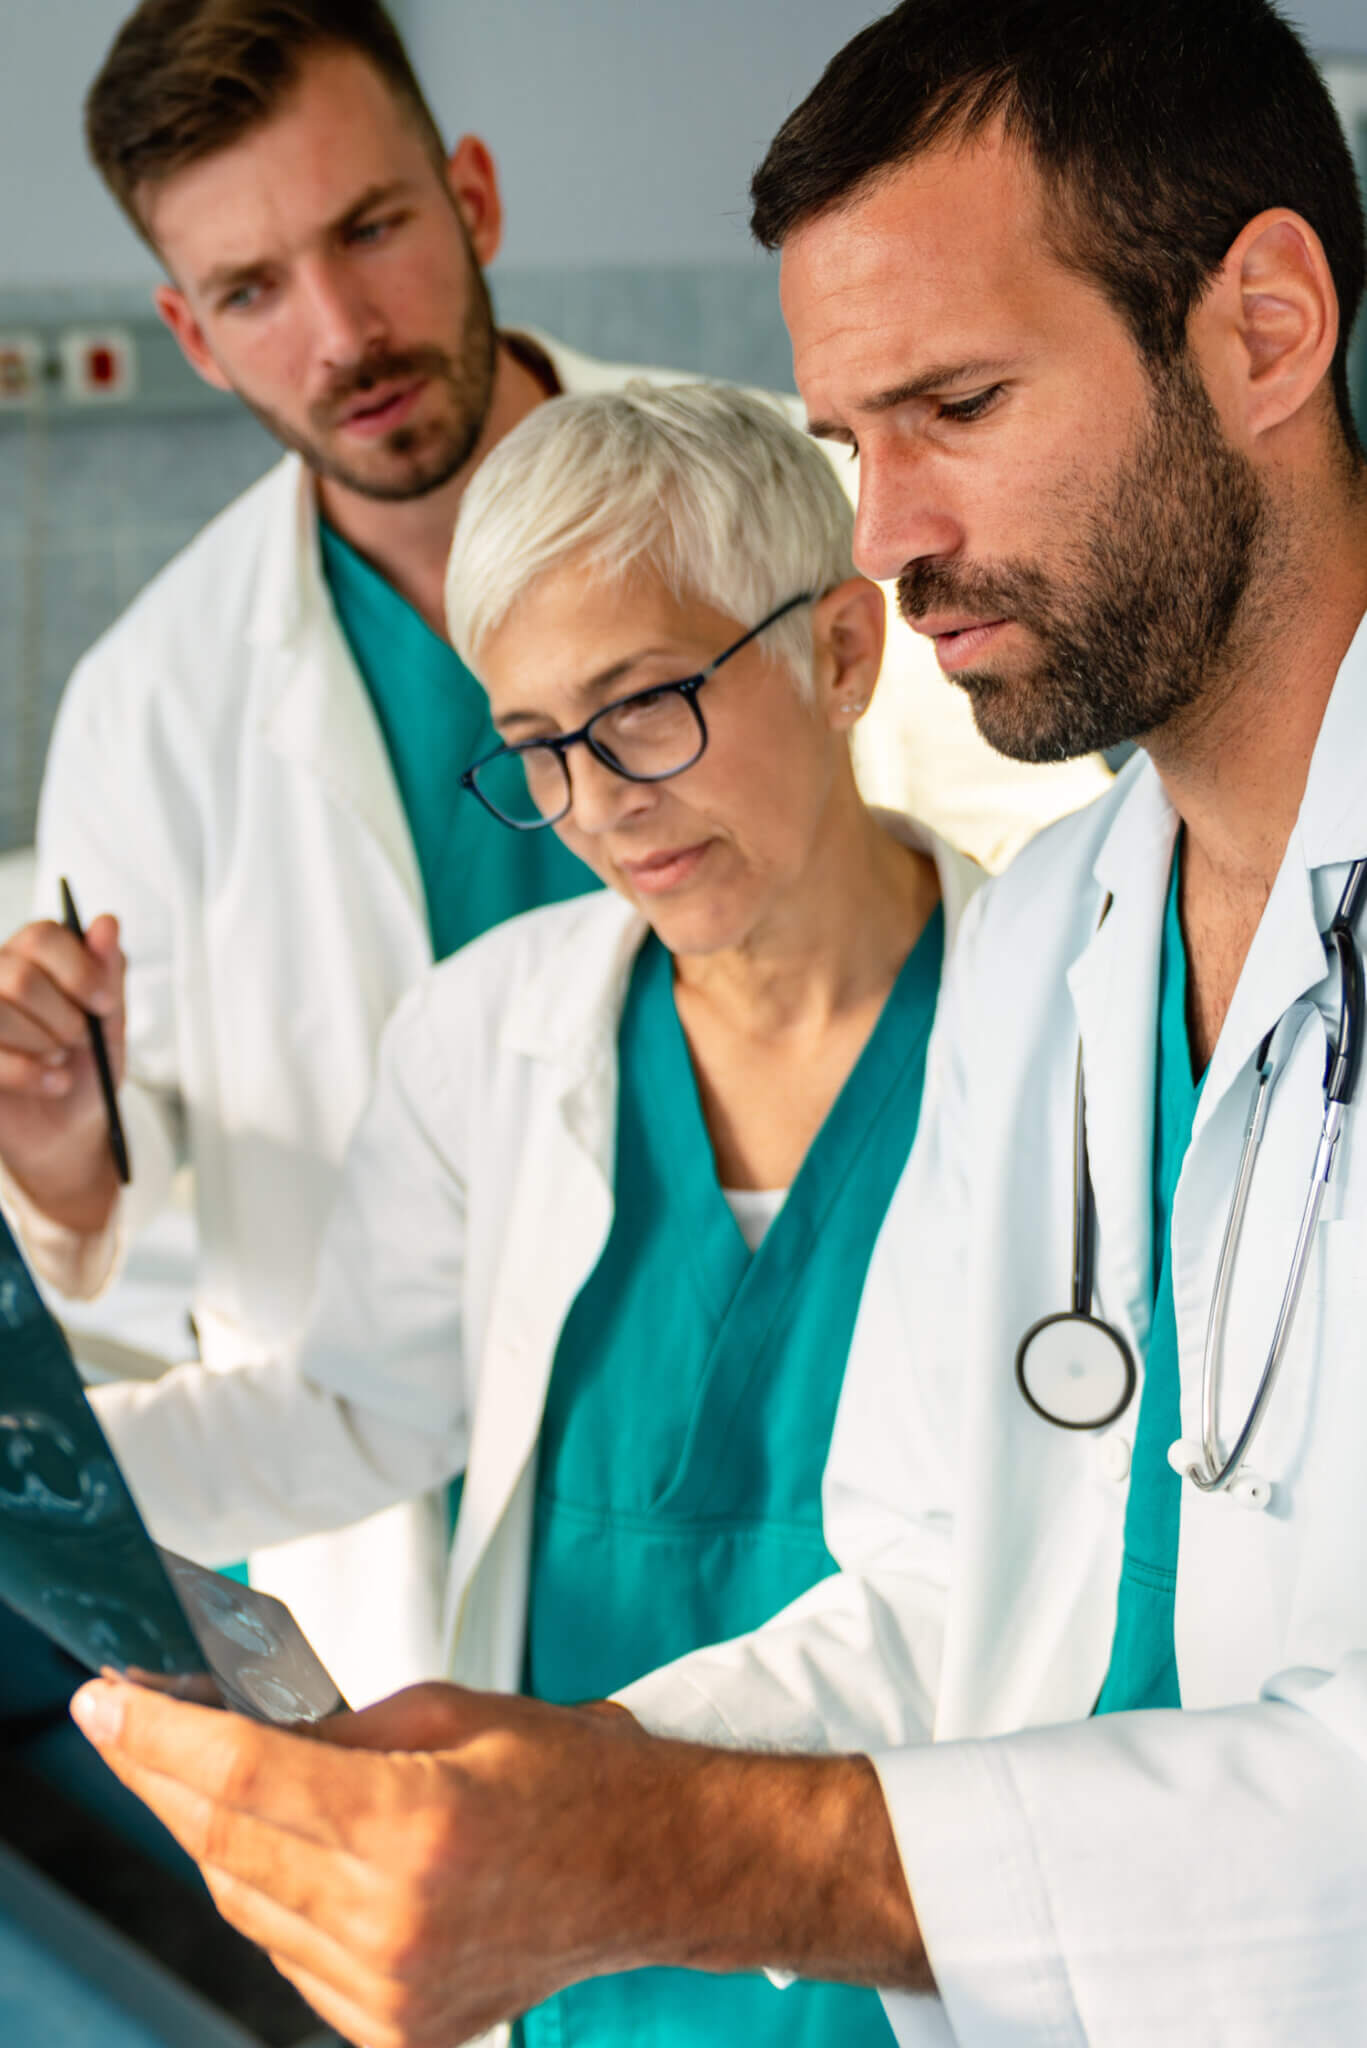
1015, 589
391, 367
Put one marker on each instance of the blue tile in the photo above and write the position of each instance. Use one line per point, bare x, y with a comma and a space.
80, 600
742, 335
142, 552
181, 471
14, 792
719, 318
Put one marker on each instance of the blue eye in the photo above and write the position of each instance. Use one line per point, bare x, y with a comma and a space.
368, 232
965, 410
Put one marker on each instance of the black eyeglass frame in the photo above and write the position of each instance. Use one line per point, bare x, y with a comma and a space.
559, 744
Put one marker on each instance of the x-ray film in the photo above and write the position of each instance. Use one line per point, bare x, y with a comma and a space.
77, 1561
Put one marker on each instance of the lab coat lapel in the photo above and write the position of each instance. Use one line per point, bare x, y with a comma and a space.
1114, 988
1286, 962
320, 715
566, 1020
1286, 958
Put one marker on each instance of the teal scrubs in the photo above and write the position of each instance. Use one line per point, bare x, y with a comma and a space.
435, 721
686, 1428
1143, 1670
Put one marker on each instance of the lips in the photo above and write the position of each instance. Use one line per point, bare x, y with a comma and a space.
380, 410
958, 640
945, 625
654, 873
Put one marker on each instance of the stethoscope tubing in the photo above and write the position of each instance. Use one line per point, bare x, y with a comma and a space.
1215, 1470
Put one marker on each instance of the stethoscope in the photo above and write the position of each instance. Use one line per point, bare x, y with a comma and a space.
1076, 1370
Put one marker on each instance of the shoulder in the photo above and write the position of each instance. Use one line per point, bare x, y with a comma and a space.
546, 980
192, 623
165, 694
960, 876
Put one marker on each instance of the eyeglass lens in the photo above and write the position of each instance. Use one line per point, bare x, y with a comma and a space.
646, 738
530, 788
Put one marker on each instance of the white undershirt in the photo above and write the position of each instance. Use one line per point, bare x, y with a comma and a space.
754, 1210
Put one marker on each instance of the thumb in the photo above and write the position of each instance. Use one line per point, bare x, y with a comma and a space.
102, 938
423, 1717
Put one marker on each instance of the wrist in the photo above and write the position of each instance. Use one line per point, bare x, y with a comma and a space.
773, 1862
82, 1200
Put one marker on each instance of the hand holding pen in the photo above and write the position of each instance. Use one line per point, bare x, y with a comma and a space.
60, 1135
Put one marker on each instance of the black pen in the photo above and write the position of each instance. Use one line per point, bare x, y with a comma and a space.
117, 1143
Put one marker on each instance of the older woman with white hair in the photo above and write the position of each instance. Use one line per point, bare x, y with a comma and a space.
604, 1228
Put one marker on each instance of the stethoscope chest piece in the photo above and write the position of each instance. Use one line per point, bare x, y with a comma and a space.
1075, 1371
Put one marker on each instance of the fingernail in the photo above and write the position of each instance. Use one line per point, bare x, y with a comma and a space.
97, 1712
54, 1081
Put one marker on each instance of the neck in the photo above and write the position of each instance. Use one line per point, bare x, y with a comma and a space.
1235, 765
409, 540
836, 940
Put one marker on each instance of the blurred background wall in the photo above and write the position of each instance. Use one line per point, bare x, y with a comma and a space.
625, 130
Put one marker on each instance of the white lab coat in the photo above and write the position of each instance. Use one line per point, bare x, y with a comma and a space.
218, 778
1191, 1878
475, 1202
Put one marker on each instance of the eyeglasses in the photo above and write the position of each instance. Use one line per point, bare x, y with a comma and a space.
647, 737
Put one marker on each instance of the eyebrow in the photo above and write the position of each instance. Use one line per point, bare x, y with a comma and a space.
227, 276
939, 377
596, 685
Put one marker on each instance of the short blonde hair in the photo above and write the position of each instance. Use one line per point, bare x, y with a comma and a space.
708, 487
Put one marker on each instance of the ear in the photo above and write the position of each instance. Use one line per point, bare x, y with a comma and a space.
473, 180
174, 309
847, 640
1266, 332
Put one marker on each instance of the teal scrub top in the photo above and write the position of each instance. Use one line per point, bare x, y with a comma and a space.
435, 721
1143, 1669
686, 1429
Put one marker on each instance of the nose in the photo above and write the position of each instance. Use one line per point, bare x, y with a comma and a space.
347, 326
600, 798
902, 515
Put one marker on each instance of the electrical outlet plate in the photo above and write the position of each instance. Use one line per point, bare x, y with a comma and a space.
21, 369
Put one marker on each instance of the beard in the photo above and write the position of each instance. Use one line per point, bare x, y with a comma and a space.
1131, 629
410, 461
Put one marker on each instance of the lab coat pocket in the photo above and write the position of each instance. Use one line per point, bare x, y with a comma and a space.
1338, 1273
1323, 1370
1325, 1526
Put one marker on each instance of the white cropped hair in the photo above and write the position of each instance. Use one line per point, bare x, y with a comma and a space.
707, 486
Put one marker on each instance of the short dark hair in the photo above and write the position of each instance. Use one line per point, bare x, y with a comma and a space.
1163, 127
185, 78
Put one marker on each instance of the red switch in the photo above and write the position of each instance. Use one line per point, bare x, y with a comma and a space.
99, 365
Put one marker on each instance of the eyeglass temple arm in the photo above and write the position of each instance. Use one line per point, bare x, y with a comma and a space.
803, 597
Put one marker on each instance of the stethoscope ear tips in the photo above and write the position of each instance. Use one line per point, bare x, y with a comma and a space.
1245, 1490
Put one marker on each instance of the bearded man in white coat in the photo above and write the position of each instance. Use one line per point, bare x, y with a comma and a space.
1078, 283
257, 768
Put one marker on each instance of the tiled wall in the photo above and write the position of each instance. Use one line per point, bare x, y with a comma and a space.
88, 512
92, 506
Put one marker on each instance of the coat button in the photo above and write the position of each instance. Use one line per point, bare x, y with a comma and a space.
1115, 1458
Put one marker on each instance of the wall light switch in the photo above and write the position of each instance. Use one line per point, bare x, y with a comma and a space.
99, 365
